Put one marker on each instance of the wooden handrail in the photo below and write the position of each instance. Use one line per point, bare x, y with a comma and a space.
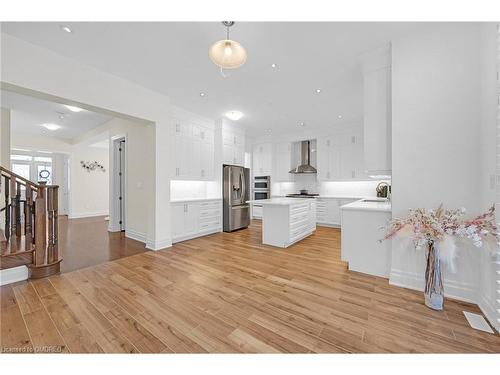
24, 181
35, 218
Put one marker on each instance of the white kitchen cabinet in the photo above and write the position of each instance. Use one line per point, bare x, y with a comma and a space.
233, 147
377, 112
283, 162
193, 150
262, 159
328, 210
340, 156
192, 219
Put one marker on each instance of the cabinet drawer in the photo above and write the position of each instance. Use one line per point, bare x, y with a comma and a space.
304, 215
299, 224
210, 218
209, 212
298, 207
209, 225
210, 205
299, 231
298, 211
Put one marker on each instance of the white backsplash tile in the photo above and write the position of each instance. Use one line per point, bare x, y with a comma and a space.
194, 189
333, 188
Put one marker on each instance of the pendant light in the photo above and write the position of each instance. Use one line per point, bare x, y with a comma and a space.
227, 53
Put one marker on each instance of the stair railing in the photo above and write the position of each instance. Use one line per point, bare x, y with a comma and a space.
35, 218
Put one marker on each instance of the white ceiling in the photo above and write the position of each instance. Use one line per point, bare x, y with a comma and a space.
172, 58
28, 113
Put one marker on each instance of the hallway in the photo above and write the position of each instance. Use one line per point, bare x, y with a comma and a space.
87, 242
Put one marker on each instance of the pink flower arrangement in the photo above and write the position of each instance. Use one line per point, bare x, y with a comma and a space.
435, 225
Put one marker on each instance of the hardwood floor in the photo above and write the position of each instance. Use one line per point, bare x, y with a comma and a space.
87, 242
228, 293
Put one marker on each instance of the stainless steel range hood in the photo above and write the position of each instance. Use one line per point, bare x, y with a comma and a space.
305, 160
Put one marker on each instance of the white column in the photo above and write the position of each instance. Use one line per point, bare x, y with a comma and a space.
5, 138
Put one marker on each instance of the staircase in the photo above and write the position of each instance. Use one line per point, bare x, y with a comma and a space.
28, 216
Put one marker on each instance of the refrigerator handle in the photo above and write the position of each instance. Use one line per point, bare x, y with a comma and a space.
244, 186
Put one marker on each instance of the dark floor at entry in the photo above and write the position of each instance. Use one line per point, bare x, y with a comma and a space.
87, 242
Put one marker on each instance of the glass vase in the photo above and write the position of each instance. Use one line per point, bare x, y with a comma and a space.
434, 291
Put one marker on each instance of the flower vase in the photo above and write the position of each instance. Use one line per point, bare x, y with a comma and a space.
434, 291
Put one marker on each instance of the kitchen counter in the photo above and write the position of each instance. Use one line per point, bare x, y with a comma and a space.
382, 205
280, 201
194, 200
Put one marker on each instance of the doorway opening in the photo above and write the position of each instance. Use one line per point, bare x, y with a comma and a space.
119, 184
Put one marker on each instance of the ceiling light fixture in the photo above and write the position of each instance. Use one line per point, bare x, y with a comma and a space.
302, 123
51, 127
234, 115
318, 91
227, 53
202, 94
273, 65
66, 29
339, 116
73, 108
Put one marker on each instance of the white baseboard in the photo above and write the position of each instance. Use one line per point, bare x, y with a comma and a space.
151, 244
200, 234
13, 275
452, 289
114, 228
135, 235
489, 312
81, 215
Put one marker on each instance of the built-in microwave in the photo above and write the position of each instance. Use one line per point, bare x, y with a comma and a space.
262, 183
264, 194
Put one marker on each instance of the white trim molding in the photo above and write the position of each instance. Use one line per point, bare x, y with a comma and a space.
135, 235
158, 245
87, 214
13, 275
452, 289
489, 312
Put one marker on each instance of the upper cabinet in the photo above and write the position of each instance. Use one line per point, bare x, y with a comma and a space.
377, 112
233, 146
283, 162
193, 149
262, 159
340, 155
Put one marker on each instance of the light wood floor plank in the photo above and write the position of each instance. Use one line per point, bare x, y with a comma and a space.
228, 293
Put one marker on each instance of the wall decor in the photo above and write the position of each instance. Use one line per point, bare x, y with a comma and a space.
436, 231
92, 166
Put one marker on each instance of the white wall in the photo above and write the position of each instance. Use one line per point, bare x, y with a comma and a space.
89, 190
5, 138
38, 143
436, 117
487, 296
55, 77
139, 174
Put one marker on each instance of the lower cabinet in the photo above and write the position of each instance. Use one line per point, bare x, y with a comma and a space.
328, 210
195, 218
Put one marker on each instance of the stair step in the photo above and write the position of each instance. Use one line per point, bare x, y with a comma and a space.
22, 258
15, 246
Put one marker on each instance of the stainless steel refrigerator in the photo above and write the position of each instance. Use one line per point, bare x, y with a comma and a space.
235, 192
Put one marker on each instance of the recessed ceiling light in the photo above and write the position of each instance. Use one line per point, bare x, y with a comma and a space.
268, 130
339, 116
234, 115
302, 123
73, 108
51, 126
66, 29
273, 65
202, 94
318, 91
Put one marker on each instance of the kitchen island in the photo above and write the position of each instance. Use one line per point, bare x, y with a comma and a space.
286, 221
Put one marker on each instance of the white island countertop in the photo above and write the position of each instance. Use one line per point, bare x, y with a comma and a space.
370, 204
280, 201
